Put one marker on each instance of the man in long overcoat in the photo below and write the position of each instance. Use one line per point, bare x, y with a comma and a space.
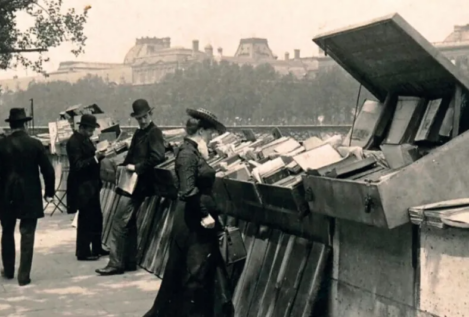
146, 150
21, 158
85, 188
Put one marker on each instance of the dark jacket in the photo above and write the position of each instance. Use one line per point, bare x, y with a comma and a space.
21, 158
83, 178
146, 151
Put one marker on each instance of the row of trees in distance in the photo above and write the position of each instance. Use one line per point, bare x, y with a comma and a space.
238, 95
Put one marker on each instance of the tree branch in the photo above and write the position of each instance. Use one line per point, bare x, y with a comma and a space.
26, 50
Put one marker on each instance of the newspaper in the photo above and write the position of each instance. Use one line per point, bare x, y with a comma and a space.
126, 180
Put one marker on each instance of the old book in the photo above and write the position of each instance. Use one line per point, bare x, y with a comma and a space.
432, 120
323, 171
398, 156
311, 143
294, 168
267, 167
239, 172
374, 174
249, 135
355, 168
299, 150
275, 176
287, 146
102, 146
269, 148
371, 123
447, 125
127, 180
406, 120
318, 157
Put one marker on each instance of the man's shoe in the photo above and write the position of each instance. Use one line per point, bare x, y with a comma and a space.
25, 282
109, 271
88, 258
7, 276
101, 253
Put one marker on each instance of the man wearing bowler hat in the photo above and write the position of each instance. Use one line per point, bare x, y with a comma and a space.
146, 151
21, 158
83, 188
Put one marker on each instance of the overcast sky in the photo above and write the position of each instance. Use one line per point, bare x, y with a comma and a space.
114, 25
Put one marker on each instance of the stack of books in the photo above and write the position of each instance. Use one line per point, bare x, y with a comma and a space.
449, 213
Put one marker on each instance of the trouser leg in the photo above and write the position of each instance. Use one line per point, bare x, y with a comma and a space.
83, 233
96, 231
130, 257
121, 226
8, 245
28, 231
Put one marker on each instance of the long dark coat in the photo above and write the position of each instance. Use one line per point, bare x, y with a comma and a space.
147, 149
21, 158
83, 178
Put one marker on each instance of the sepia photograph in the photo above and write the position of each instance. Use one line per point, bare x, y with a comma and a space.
234, 158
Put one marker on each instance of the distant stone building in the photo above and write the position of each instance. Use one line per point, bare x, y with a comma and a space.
456, 47
151, 58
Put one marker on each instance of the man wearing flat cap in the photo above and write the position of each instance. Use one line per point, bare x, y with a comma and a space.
83, 189
22, 157
146, 150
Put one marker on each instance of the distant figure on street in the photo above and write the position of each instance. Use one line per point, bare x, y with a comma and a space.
21, 157
83, 189
146, 150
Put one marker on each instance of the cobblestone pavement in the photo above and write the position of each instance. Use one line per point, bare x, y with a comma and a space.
62, 286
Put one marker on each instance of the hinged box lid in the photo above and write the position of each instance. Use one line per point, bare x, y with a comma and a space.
389, 55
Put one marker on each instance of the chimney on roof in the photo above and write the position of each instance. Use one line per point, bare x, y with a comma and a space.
287, 56
195, 45
220, 51
297, 54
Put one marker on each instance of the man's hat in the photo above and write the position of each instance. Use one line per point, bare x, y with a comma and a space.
140, 108
18, 115
205, 115
88, 120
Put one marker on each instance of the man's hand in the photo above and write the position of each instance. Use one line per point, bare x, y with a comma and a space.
48, 199
100, 155
208, 222
130, 167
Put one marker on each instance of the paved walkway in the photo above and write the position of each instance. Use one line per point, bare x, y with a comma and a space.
62, 286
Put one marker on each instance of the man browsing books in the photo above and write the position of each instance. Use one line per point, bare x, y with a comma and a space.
146, 151
83, 189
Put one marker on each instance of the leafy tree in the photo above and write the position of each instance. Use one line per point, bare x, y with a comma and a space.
50, 28
240, 95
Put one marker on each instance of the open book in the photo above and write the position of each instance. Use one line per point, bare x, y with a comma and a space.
126, 180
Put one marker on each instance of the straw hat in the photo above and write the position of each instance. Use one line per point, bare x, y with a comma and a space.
203, 114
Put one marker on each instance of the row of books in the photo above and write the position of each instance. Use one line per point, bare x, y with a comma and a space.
281, 160
450, 213
403, 128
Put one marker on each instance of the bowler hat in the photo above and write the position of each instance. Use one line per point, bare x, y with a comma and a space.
18, 114
203, 114
89, 120
140, 108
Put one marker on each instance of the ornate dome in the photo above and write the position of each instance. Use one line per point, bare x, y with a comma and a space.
146, 46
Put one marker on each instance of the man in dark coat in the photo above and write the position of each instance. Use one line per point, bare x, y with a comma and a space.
85, 188
146, 151
21, 157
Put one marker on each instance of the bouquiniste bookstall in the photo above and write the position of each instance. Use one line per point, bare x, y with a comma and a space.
299, 202
382, 264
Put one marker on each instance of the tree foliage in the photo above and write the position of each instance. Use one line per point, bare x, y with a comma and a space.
51, 26
240, 95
